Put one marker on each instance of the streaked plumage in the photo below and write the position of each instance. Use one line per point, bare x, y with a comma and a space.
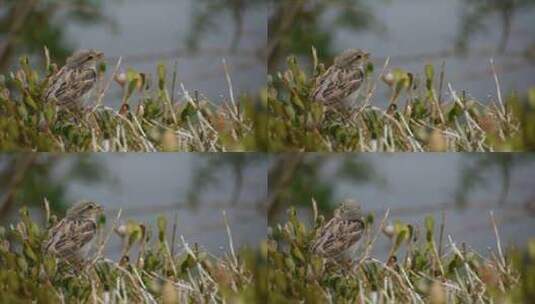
338, 239
74, 80
339, 85
72, 233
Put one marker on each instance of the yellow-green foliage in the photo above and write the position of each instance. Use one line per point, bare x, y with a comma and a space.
149, 274
418, 118
417, 270
153, 122
150, 118
282, 271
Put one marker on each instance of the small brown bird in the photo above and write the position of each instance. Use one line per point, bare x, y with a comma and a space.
338, 87
73, 81
338, 239
68, 237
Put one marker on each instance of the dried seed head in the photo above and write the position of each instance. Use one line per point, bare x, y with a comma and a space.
389, 230
121, 230
121, 78
389, 78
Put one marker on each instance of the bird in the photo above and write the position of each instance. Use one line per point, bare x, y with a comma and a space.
338, 87
338, 240
69, 236
74, 80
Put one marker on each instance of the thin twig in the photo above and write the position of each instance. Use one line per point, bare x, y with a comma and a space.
235, 111
314, 210
498, 241
231, 242
100, 249
369, 246
441, 234
173, 237
107, 86
371, 91
498, 90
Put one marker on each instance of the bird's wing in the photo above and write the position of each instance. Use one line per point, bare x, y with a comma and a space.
69, 86
337, 236
336, 84
54, 82
53, 236
69, 236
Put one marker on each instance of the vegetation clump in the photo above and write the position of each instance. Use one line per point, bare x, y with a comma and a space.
149, 270
419, 116
419, 268
157, 121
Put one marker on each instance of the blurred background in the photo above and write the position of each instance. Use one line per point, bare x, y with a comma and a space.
464, 187
194, 34
195, 188
464, 34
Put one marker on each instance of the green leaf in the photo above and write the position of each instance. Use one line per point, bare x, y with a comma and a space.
188, 111
50, 265
161, 76
429, 75
429, 226
29, 253
162, 227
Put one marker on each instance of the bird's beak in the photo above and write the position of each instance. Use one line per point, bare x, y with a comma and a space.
366, 55
100, 55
